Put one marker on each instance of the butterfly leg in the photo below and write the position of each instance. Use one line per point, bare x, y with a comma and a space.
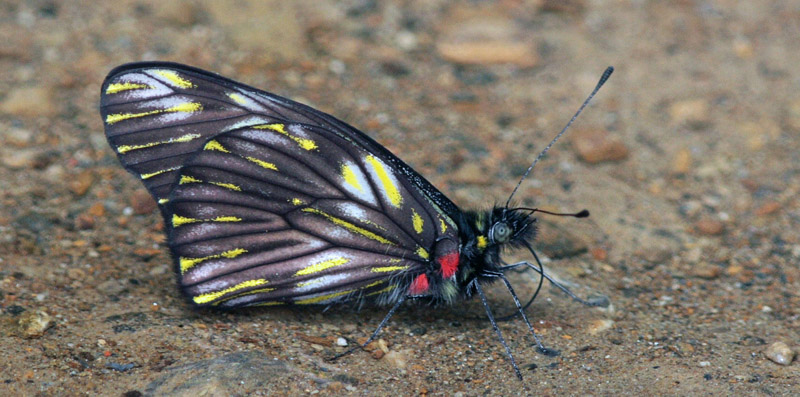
477, 287
597, 302
374, 334
542, 349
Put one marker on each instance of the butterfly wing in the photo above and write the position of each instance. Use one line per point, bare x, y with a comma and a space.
156, 114
266, 200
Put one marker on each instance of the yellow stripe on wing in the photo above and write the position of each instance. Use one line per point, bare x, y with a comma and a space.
187, 263
174, 79
320, 266
263, 163
387, 182
417, 221
211, 296
385, 269
349, 226
304, 143
178, 220
159, 172
186, 107
120, 87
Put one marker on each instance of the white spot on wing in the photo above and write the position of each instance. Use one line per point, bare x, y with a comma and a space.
215, 285
250, 121
158, 88
360, 187
243, 98
352, 210
321, 283
267, 137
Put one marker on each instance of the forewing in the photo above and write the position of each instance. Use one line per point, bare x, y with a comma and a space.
156, 114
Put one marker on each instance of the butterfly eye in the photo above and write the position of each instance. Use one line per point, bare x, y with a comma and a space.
500, 232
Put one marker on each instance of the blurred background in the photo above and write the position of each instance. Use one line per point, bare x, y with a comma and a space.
687, 159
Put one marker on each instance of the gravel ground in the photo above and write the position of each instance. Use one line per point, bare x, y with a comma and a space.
688, 160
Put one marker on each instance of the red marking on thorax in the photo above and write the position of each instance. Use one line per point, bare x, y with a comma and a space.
449, 264
419, 285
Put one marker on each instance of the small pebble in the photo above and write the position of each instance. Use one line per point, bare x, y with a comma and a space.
97, 209
398, 359
599, 326
80, 184
599, 254
596, 146
485, 41
705, 363
341, 341
682, 162
29, 102
743, 48
178, 13
335, 386
18, 137
693, 112
472, 173
706, 270
317, 340
768, 208
142, 203
33, 323
734, 270
709, 227
489, 52
84, 222
780, 353
20, 159
75, 273
792, 117
121, 367
383, 345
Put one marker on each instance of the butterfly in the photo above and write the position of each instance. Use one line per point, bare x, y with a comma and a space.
269, 202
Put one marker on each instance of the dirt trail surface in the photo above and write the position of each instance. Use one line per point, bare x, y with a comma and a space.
688, 159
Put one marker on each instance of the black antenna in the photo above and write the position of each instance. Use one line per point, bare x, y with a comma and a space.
603, 78
584, 213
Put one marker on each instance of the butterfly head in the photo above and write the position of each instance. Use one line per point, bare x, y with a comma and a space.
510, 227
491, 231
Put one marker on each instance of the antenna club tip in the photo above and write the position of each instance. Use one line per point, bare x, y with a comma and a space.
604, 77
582, 214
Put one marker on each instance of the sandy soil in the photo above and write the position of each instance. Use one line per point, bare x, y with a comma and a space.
688, 160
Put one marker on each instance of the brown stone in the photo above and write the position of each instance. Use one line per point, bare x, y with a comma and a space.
29, 102
81, 183
485, 41
142, 202
682, 162
768, 208
596, 146
695, 113
709, 227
